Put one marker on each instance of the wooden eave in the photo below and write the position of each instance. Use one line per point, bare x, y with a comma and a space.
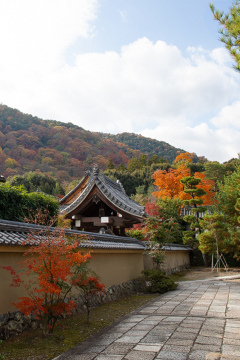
74, 194
96, 192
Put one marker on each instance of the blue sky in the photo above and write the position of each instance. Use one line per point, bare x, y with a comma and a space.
154, 67
182, 23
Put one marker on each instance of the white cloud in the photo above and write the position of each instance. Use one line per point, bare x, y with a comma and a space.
145, 84
220, 145
34, 37
151, 89
221, 56
148, 87
229, 116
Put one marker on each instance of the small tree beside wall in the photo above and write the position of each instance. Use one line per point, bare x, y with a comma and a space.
55, 264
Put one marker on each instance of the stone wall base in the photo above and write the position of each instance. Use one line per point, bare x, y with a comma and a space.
177, 269
14, 322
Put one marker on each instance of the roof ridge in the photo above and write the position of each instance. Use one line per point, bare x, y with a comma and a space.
87, 173
10, 229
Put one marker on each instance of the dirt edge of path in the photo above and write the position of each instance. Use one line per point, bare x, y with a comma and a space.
202, 273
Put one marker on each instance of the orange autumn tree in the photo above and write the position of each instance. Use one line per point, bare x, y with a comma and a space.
171, 186
169, 182
53, 260
205, 184
184, 158
208, 186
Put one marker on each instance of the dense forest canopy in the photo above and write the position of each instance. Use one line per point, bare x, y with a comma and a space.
64, 150
146, 145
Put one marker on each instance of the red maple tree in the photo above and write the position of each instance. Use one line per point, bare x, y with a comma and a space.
89, 286
52, 261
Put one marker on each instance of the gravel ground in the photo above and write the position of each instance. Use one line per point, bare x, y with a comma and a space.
200, 273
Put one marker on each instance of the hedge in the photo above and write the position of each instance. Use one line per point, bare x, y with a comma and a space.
17, 204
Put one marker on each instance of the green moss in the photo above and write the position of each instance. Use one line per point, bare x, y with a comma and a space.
178, 276
32, 345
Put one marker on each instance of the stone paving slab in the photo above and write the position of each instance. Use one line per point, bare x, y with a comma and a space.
143, 355
199, 320
218, 356
109, 357
119, 349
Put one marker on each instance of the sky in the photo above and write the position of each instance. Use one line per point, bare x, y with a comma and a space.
150, 67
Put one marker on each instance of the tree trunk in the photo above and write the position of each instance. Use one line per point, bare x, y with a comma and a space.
204, 260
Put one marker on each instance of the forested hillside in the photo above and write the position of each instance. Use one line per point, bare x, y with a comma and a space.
64, 150
146, 145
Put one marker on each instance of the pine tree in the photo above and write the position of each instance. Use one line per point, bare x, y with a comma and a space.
190, 187
110, 165
121, 167
230, 32
213, 240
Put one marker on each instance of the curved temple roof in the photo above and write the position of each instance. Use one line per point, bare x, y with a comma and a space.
111, 190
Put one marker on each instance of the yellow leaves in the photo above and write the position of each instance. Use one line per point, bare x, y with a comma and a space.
11, 163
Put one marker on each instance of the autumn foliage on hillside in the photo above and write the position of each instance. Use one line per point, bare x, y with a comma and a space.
146, 145
64, 150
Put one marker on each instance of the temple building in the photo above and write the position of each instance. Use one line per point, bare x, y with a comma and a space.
99, 204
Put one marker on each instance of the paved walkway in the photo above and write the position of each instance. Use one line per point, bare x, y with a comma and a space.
200, 320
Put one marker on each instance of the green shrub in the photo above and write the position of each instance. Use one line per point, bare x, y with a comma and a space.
33, 181
135, 233
158, 281
16, 203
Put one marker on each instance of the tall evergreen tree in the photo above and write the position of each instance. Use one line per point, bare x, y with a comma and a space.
110, 165
213, 238
190, 187
230, 31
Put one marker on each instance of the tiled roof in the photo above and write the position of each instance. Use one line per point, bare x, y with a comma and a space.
171, 247
176, 247
15, 233
112, 190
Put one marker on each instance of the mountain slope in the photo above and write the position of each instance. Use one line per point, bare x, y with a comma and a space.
146, 145
65, 150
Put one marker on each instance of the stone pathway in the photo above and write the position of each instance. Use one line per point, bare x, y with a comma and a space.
200, 320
